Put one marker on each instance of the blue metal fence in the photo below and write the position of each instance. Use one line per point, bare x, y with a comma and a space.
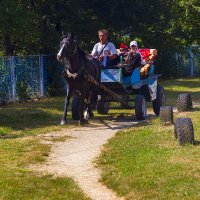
189, 61
25, 77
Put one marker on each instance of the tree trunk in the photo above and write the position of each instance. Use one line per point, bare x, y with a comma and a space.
7, 47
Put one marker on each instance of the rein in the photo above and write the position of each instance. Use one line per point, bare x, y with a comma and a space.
75, 49
89, 78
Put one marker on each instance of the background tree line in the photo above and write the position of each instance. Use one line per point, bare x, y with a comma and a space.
34, 26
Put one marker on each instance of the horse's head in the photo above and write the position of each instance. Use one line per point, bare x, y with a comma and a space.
68, 47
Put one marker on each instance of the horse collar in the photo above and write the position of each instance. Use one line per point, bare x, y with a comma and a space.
75, 49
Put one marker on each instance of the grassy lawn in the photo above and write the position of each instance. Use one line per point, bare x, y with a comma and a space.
175, 87
145, 162
139, 163
19, 124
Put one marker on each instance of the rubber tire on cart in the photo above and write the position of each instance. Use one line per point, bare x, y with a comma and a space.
160, 100
183, 131
166, 114
184, 102
140, 107
125, 99
102, 107
75, 108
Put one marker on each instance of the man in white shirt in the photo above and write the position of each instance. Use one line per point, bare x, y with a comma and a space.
104, 51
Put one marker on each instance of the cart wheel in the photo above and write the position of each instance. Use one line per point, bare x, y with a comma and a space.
166, 114
183, 130
160, 100
125, 99
184, 102
175, 132
102, 107
75, 108
140, 107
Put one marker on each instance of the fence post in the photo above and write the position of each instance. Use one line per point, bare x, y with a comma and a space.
41, 72
12, 77
191, 62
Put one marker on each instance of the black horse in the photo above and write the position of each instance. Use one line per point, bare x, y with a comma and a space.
78, 65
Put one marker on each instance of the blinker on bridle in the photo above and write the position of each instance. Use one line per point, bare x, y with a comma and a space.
75, 47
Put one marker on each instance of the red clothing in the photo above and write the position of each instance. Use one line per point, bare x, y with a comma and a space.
148, 54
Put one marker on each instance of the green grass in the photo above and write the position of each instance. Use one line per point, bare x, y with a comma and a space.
177, 86
31, 118
140, 163
17, 182
19, 124
145, 162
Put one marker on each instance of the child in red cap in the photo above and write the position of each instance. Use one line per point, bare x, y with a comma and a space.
123, 49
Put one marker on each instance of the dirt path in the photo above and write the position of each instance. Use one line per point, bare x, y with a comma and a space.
74, 157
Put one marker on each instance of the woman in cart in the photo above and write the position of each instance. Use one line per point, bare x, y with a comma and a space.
133, 59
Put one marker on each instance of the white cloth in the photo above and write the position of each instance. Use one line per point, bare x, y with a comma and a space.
108, 50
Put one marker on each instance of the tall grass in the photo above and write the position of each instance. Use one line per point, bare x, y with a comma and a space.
145, 162
19, 124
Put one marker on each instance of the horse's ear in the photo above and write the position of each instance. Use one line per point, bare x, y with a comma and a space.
63, 33
58, 27
73, 36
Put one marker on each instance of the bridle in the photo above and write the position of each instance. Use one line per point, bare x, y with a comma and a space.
66, 59
74, 50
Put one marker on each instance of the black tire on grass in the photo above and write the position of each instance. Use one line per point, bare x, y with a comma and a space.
184, 102
183, 129
175, 132
140, 107
166, 114
160, 100
125, 99
102, 107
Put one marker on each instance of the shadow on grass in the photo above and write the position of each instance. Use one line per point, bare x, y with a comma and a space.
191, 83
120, 121
171, 96
195, 109
22, 119
10, 136
196, 142
176, 93
25, 119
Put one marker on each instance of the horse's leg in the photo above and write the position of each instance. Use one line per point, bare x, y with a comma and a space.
67, 100
90, 102
81, 111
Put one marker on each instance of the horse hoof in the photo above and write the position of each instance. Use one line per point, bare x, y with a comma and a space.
83, 122
91, 114
63, 122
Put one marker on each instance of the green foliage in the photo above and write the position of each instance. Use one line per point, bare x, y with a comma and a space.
22, 89
32, 27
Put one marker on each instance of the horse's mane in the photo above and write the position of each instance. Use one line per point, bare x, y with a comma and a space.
71, 35
81, 51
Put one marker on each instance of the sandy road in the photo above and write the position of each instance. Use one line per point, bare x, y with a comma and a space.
74, 157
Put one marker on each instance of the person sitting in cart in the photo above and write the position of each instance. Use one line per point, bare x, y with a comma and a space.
104, 51
123, 53
134, 57
149, 56
123, 49
133, 60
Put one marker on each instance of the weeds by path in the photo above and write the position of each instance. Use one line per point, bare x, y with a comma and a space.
145, 162
20, 123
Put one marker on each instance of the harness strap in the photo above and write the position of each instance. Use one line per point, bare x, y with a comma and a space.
106, 89
103, 49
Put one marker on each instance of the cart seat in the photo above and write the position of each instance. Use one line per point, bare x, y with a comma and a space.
144, 70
